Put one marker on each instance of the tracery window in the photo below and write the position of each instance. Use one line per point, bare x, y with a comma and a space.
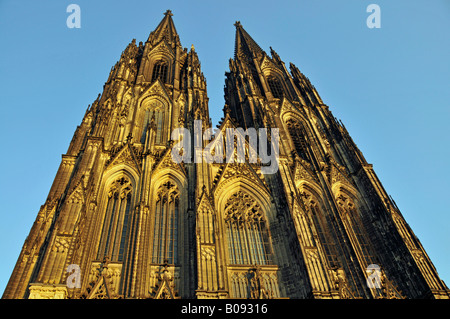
298, 135
275, 86
247, 232
323, 231
155, 114
355, 228
165, 240
160, 71
117, 216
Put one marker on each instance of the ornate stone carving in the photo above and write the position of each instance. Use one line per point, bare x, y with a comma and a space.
226, 229
165, 287
104, 281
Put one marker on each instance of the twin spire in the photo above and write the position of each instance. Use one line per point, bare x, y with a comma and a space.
244, 44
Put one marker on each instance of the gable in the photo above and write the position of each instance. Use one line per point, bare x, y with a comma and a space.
126, 156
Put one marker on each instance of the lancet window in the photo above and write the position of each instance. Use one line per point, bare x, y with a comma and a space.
298, 135
275, 86
324, 234
355, 228
160, 71
117, 216
165, 240
155, 114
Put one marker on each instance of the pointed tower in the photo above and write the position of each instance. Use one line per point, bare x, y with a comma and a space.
118, 196
348, 231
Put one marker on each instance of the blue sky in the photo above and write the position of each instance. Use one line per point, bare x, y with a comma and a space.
390, 87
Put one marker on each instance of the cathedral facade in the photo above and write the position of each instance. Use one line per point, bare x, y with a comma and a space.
124, 220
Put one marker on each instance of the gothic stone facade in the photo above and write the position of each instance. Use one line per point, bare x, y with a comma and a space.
123, 220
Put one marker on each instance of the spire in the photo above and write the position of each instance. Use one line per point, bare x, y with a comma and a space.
165, 30
244, 43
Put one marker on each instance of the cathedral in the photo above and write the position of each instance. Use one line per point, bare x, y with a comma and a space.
124, 220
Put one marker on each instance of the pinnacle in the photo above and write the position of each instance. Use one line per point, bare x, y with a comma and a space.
244, 43
165, 30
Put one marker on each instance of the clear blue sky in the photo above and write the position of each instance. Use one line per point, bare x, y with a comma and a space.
390, 87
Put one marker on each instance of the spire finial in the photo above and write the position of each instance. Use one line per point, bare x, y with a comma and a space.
237, 24
168, 12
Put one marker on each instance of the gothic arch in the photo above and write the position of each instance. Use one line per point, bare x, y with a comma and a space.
298, 129
340, 188
293, 114
162, 175
272, 71
246, 229
228, 187
244, 224
350, 210
311, 193
275, 83
120, 169
160, 70
157, 108
259, 205
116, 203
320, 225
166, 220
155, 90
168, 205
161, 53
311, 187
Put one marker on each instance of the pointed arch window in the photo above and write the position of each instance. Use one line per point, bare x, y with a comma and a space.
361, 235
117, 216
160, 71
247, 232
165, 240
356, 228
324, 235
275, 86
156, 114
298, 135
